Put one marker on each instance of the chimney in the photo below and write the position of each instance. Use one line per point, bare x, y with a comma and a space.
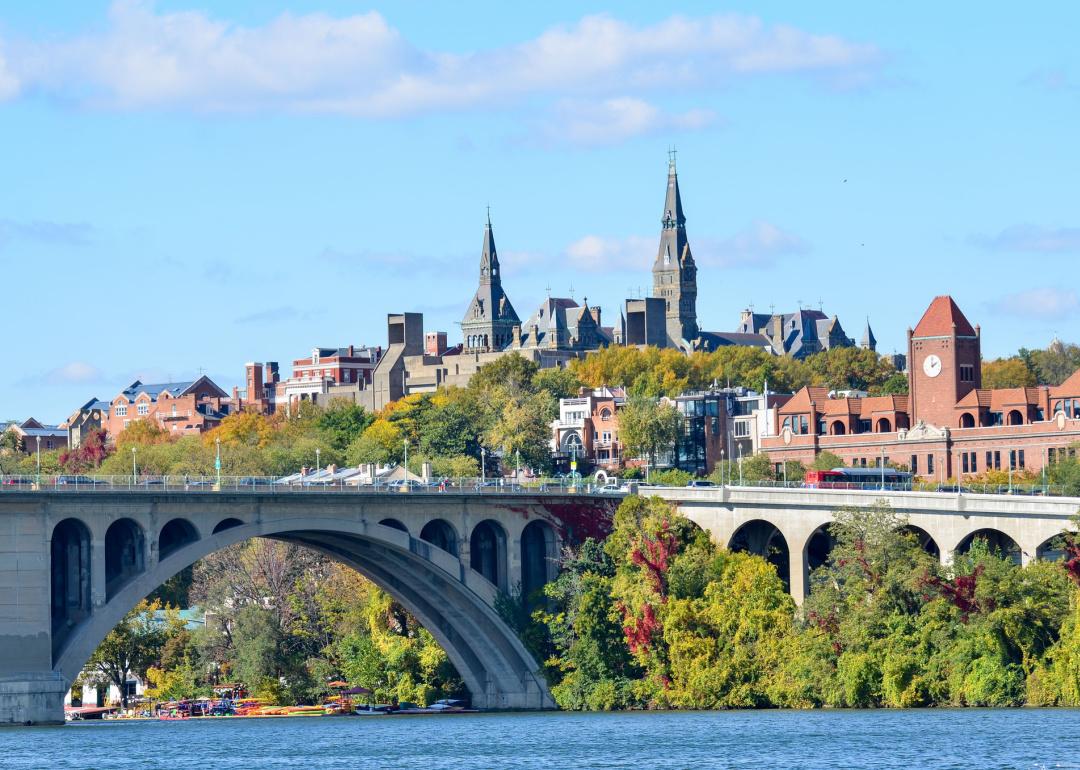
596, 314
272, 374
351, 351
517, 335
236, 395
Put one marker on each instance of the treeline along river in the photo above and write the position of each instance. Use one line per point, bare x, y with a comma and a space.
847, 739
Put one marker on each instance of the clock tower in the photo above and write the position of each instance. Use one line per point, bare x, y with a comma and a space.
944, 363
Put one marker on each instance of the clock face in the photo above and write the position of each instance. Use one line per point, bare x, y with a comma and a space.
932, 366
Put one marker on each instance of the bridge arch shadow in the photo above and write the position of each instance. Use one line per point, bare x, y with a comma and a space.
996, 540
452, 602
764, 539
923, 538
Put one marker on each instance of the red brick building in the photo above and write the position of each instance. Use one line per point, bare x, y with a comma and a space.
948, 426
180, 408
327, 373
588, 428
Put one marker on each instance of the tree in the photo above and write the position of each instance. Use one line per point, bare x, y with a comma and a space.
242, 428
523, 425
1007, 373
131, 647
647, 427
826, 461
559, 382
343, 421
1055, 364
141, 433
90, 453
380, 443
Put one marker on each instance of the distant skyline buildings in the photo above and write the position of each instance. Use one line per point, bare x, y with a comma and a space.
845, 154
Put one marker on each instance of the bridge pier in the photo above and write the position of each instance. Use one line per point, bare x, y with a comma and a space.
32, 698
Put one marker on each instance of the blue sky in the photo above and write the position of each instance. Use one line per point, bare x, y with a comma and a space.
189, 186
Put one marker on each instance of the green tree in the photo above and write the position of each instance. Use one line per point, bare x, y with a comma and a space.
1007, 373
130, 648
647, 427
343, 421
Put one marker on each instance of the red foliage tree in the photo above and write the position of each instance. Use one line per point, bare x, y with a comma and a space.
88, 455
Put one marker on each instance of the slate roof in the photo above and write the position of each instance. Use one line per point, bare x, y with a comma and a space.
940, 318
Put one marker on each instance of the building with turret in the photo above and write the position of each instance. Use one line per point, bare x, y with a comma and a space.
488, 325
674, 270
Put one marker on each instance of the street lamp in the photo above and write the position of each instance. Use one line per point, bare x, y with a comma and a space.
134, 468
483, 465
406, 459
217, 460
317, 452
722, 468
883, 467
39, 461
740, 465
517, 470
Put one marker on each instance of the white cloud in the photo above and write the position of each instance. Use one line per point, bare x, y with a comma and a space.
1034, 238
361, 65
1044, 303
73, 373
760, 245
584, 122
9, 84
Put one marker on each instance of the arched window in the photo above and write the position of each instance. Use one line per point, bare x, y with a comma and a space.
967, 420
883, 425
838, 428
1015, 418
605, 414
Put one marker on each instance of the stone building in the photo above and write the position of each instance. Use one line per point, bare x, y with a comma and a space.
490, 319
799, 334
674, 270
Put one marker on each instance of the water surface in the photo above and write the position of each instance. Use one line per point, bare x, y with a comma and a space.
932, 738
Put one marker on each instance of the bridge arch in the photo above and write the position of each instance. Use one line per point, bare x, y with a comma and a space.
995, 539
125, 554
925, 539
456, 606
539, 558
394, 524
175, 535
227, 523
764, 539
487, 552
69, 562
1051, 549
818, 547
441, 534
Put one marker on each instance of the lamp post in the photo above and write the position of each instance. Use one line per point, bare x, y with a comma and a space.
740, 465
483, 466
517, 470
406, 460
317, 452
217, 460
785, 473
134, 468
722, 463
39, 461
1012, 459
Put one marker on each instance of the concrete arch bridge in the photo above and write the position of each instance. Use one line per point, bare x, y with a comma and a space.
789, 526
72, 564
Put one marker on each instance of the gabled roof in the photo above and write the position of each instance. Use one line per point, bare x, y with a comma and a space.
800, 402
1071, 386
941, 318
174, 389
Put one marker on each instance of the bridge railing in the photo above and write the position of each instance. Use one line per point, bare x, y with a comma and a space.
293, 485
1029, 490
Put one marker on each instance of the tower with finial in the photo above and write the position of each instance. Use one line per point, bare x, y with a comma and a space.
674, 270
490, 319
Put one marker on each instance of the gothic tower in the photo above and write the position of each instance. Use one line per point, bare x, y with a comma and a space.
674, 271
490, 320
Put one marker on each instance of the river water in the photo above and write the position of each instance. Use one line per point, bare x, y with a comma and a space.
938, 738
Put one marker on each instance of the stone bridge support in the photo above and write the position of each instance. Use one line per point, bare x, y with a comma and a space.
73, 564
1020, 525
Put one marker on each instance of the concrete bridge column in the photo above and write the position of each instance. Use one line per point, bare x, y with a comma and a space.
30, 692
97, 572
513, 562
798, 571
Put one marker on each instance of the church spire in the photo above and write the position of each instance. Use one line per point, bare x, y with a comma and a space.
489, 257
869, 342
673, 214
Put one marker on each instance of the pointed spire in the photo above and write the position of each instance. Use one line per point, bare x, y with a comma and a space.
489, 257
868, 340
673, 213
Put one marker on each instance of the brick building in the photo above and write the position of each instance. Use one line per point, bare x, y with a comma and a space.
325, 374
32, 435
948, 426
587, 428
181, 408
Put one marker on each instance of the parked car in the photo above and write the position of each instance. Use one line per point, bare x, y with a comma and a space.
82, 481
700, 483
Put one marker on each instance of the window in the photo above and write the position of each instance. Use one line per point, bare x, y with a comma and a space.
605, 414
930, 464
804, 426
1020, 458
967, 373
964, 462
996, 418
915, 464
742, 429
121, 411
143, 409
993, 461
